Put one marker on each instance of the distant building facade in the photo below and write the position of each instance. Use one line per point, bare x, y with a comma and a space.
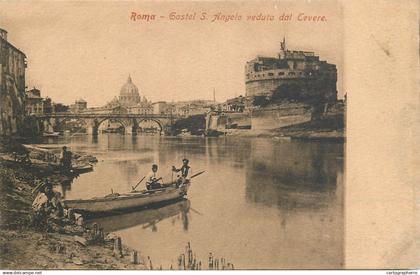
12, 81
34, 102
128, 101
292, 75
236, 104
193, 107
163, 108
78, 106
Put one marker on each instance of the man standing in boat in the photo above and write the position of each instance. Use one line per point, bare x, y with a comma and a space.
153, 179
65, 159
184, 172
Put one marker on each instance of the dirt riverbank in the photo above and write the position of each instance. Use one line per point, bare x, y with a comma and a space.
323, 130
26, 247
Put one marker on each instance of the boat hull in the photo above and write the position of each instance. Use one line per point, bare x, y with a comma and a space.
127, 219
126, 201
81, 169
51, 134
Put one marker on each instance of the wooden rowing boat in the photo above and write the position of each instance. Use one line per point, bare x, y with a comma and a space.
51, 134
126, 219
133, 199
82, 168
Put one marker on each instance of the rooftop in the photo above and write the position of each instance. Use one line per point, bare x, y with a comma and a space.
10, 44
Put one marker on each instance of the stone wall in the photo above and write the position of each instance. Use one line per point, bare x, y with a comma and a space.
315, 89
12, 88
267, 118
239, 120
223, 121
280, 116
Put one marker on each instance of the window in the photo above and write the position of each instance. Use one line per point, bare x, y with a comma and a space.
291, 73
281, 73
270, 74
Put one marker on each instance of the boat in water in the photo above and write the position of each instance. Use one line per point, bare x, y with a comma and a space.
213, 133
51, 134
80, 169
134, 199
146, 217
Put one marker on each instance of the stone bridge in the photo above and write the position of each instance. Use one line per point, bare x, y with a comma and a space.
130, 122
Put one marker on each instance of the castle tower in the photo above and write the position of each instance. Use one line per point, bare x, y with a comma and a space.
294, 75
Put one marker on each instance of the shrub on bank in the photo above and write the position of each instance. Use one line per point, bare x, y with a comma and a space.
194, 124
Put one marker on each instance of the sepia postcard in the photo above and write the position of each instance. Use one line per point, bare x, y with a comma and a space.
209, 135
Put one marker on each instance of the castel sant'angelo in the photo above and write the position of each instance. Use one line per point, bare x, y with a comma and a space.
296, 75
293, 88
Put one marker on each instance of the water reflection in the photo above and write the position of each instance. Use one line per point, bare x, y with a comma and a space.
148, 218
293, 175
64, 187
262, 203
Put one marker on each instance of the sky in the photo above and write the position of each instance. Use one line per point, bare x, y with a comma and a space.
88, 49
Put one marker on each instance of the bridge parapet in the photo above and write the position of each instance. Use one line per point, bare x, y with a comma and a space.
130, 122
107, 115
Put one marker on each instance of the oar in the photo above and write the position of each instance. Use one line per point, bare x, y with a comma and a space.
134, 188
196, 211
38, 187
199, 173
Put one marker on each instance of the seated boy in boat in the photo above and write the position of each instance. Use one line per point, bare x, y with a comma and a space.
153, 180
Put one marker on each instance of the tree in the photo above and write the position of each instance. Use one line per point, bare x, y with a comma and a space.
47, 105
59, 107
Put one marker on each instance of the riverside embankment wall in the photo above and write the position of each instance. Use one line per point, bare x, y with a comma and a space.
281, 115
261, 118
221, 122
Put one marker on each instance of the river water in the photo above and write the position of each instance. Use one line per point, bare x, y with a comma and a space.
262, 203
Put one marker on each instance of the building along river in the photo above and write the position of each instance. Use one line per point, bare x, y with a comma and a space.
262, 203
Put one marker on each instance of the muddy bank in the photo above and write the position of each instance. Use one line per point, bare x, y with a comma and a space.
322, 130
318, 135
27, 249
24, 246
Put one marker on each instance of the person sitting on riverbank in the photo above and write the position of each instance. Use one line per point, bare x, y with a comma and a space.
153, 180
184, 172
65, 159
47, 207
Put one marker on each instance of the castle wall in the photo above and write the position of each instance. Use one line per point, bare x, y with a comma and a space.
267, 118
221, 122
263, 88
239, 120
323, 89
280, 116
313, 80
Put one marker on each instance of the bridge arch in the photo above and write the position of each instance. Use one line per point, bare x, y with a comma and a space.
93, 120
45, 124
120, 121
60, 122
157, 121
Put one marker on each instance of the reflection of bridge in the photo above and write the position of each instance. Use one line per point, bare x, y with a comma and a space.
130, 122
